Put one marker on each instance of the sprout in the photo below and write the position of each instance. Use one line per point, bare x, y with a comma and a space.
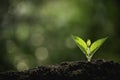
88, 42
86, 47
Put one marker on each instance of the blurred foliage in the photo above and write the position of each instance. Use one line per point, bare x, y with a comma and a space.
38, 32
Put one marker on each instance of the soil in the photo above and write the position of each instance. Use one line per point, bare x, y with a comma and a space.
76, 70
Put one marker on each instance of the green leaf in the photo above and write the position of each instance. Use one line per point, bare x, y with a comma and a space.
95, 46
80, 43
88, 42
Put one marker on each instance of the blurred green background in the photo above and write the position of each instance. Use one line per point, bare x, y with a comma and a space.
38, 32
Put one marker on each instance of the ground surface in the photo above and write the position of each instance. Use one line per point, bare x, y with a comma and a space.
79, 70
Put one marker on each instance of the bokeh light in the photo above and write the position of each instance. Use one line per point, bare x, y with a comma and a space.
22, 66
41, 53
38, 32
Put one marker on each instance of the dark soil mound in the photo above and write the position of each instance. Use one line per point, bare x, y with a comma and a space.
79, 70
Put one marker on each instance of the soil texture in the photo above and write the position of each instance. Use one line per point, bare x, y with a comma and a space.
76, 70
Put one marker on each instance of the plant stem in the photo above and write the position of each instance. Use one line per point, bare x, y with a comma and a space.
88, 56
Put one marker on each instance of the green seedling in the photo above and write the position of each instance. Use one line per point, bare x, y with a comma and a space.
86, 47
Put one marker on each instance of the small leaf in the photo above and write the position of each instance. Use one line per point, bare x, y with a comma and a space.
96, 45
80, 43
88, 42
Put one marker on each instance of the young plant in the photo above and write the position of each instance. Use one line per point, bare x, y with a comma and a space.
86, 47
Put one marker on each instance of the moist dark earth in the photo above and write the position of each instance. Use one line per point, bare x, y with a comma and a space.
76, 70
